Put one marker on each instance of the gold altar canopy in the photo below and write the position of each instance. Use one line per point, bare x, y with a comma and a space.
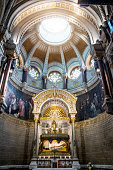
66, 100
54, 135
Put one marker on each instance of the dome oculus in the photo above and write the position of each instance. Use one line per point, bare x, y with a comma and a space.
55, 31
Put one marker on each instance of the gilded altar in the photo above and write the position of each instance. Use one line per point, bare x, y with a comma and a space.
54, 110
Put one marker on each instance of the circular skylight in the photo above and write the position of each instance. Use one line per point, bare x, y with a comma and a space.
55, 31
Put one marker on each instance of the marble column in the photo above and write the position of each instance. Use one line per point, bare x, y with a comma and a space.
64, 71
44, 81
100, 52
84, 78
102, 71
45, 69
33, 163
73, 136
75, 164
10, 50
24, 77
65, 82
100, 55
38, 138
36, 119
108, 77
5, 76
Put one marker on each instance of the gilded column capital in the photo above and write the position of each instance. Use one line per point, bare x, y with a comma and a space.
36, 117
73, 114
73, 119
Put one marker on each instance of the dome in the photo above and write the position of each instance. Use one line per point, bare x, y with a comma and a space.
56, 71
54, 43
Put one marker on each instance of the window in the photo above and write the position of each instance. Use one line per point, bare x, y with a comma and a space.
34, 72
54, 76
75, 72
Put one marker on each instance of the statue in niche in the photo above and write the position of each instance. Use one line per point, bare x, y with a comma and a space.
54, 125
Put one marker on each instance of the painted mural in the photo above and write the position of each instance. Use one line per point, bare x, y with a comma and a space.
90, 104
18, 103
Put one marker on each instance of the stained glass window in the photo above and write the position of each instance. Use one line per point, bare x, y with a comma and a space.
75, 72
54, 76
34, 72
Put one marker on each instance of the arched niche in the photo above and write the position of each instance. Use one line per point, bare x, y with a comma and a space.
64, 97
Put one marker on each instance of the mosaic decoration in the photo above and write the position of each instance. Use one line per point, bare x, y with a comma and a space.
75, 73
54, 112
34, 72
55, 76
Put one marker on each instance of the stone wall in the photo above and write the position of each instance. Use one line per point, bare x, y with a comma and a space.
95, 140
16, 140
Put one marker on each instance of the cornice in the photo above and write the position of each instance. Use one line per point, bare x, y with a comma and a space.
16, 121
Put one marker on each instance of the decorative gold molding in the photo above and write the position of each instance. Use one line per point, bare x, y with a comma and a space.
51, 5
65, 118
73, 119
41, 98
54, 112
36, 119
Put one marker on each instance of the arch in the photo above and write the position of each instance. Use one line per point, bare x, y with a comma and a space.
55, 102
66, 97
21, 14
